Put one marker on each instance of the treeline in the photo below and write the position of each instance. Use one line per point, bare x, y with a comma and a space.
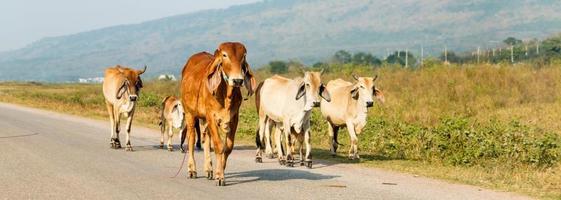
512, 50
342, 57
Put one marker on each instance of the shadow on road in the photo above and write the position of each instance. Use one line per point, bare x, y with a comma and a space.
274, 175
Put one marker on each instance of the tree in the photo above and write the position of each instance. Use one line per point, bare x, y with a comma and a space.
511, 41
278, 67
342, 56
399, 58
452, 57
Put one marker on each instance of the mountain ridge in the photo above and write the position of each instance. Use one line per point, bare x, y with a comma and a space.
305, 30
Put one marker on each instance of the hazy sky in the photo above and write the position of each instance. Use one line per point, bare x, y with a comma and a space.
25, 21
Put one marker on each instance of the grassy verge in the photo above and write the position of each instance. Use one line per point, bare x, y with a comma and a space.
491, 126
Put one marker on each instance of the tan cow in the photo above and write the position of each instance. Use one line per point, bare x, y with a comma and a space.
121, 86
348, 107
287, 105
171, 116
211, 92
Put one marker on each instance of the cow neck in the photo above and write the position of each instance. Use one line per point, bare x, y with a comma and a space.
225, 97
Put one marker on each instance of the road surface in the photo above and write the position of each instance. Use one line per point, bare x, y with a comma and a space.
47, 155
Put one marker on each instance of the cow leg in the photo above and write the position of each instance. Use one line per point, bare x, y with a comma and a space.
268, 147
354, 140
199, 129
287, 132
182, 139
300, 139
129, 125
218, 149
205, 137
280, 152
307, 140
259, 140
117, 129
111, 123
170, 136
333, 133
190, 126
229, 147
162, 131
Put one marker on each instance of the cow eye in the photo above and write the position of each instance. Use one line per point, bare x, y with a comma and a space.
224, 55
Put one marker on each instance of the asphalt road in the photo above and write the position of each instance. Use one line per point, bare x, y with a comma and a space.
46, 155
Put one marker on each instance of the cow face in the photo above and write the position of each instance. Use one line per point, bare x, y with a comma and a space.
231, 65
130, 88
313, 89
364, 90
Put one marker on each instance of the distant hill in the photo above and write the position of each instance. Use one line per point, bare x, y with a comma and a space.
306, 30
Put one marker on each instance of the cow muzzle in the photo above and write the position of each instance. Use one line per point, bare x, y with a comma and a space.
237, 82
369, 104
133, 98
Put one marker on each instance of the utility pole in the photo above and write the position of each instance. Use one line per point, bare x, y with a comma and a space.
512, 54
445, 54
538, 47
406, 58
422, 54
478, 52
526, 48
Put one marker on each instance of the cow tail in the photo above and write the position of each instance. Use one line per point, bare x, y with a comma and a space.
258, 141
258, 96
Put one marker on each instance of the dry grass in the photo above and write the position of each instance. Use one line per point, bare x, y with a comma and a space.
486, 97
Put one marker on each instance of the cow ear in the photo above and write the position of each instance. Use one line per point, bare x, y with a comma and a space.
301, 91
122, 89
249, 81
379, 95
354, 93
214, 75
324, 93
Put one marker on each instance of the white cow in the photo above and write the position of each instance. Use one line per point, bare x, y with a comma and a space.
348, 107
287, 105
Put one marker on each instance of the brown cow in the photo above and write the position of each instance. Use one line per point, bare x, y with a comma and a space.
121, 86
210, 91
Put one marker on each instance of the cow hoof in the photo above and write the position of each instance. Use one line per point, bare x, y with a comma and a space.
192, 175
308, 164
183, 150
170, 149
161, 146
209, 175
258, 160
128, 148
270, 156
302, 163
282, 162
220, 182
290, 164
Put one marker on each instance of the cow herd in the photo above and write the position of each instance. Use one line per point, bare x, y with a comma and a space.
210, 99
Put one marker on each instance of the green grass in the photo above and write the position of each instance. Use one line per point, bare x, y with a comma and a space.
488, 125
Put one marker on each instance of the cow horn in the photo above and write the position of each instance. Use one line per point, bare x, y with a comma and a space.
375, 77
355, 77
142, 72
